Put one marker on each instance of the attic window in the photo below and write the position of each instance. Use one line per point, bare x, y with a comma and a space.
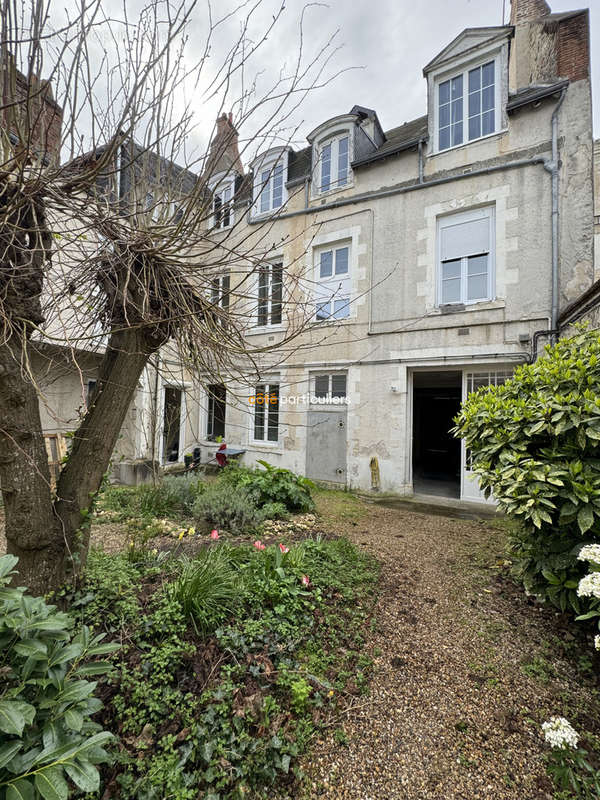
466, 105
334, 163
222, 206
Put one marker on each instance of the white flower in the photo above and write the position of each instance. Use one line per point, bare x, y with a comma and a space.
597, 642
591, 552
558, 732
590, 585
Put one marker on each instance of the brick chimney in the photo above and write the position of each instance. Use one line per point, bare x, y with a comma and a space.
527, 10
224, 155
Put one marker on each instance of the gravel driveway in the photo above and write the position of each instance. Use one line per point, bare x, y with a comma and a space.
466, 669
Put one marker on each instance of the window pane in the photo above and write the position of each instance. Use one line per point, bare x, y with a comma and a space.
214, 291
476, 287
217, 210
341, 261
474, 104
475, 79
273, 413
457, 132
451, 291
265, 192
226, 207
259, 412
487, 102
276, 294
475, 127
341, 309
338, 386
487, 123
457, 87
321, 385
487, 74
263, 294
278, 186
444, 92
477, 265
451, 269
326, 168
444, 138
326, 268
342, 161
444, 119
322, 311
225, 291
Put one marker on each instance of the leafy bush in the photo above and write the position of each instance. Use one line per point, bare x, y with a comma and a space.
174, 495
273, 485
46, 732
535, 442
207, 588
227, 507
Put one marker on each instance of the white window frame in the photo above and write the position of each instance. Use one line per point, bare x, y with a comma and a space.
269, 385
333, 141
329, 398
268, 267
464, 71
220, 288
224, 189
485, 212
337, 287
265, 171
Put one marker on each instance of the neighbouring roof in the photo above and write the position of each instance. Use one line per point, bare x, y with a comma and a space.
397, 139
584, 303
532, 94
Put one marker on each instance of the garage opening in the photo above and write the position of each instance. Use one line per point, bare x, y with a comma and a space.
436, 453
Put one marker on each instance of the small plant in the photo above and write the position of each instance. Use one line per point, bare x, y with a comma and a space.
47, 736
567, 763
207, 588
273, 485
234, 511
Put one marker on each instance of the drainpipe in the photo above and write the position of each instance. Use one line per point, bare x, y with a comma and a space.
553, 167
420, 160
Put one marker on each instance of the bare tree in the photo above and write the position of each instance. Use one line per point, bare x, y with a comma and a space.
105, 213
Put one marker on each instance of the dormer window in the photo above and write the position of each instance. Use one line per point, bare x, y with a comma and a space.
270, 175
222, 203
467, 105
334, 161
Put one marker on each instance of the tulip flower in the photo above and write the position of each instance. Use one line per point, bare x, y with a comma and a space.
259, 545
214, 534
283, 548
305, 580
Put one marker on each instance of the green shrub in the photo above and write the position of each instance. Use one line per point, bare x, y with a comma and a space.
274, 511
175, 493
46, 732
273, 485
227, 507
535, 442
207, 588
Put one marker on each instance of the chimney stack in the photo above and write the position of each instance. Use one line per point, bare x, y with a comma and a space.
527, 10
224, 154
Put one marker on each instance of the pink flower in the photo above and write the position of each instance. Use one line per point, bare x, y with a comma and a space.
259, 545
283, 548
305, 580
214, 534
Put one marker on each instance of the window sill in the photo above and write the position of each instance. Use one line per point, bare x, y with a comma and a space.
263, 329
330, 192
266, 447
467, 144
264, 215
466, 308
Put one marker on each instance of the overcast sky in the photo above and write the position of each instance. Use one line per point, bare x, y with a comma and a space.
391, 41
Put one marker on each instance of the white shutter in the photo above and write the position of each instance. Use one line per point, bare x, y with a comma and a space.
465, 238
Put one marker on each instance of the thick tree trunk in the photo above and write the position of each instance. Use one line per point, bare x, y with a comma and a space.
93, 443
32, 532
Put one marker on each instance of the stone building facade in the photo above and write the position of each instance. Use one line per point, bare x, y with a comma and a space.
427, 260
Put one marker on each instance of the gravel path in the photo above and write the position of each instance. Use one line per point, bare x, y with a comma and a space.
466, 669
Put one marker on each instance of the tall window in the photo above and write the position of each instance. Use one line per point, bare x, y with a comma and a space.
466, 256
332, 282
217, 407
270, 188
467, 106
270, 295
334, 163
266, 413
223, 206
219, 291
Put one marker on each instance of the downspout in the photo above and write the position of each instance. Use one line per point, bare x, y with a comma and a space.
553, 167
420, 160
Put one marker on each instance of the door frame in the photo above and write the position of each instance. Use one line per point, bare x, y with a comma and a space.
182, 420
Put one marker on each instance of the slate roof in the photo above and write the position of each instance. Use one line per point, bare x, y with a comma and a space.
397, 139
533, 93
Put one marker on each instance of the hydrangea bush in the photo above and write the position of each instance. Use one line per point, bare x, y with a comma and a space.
535, 443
